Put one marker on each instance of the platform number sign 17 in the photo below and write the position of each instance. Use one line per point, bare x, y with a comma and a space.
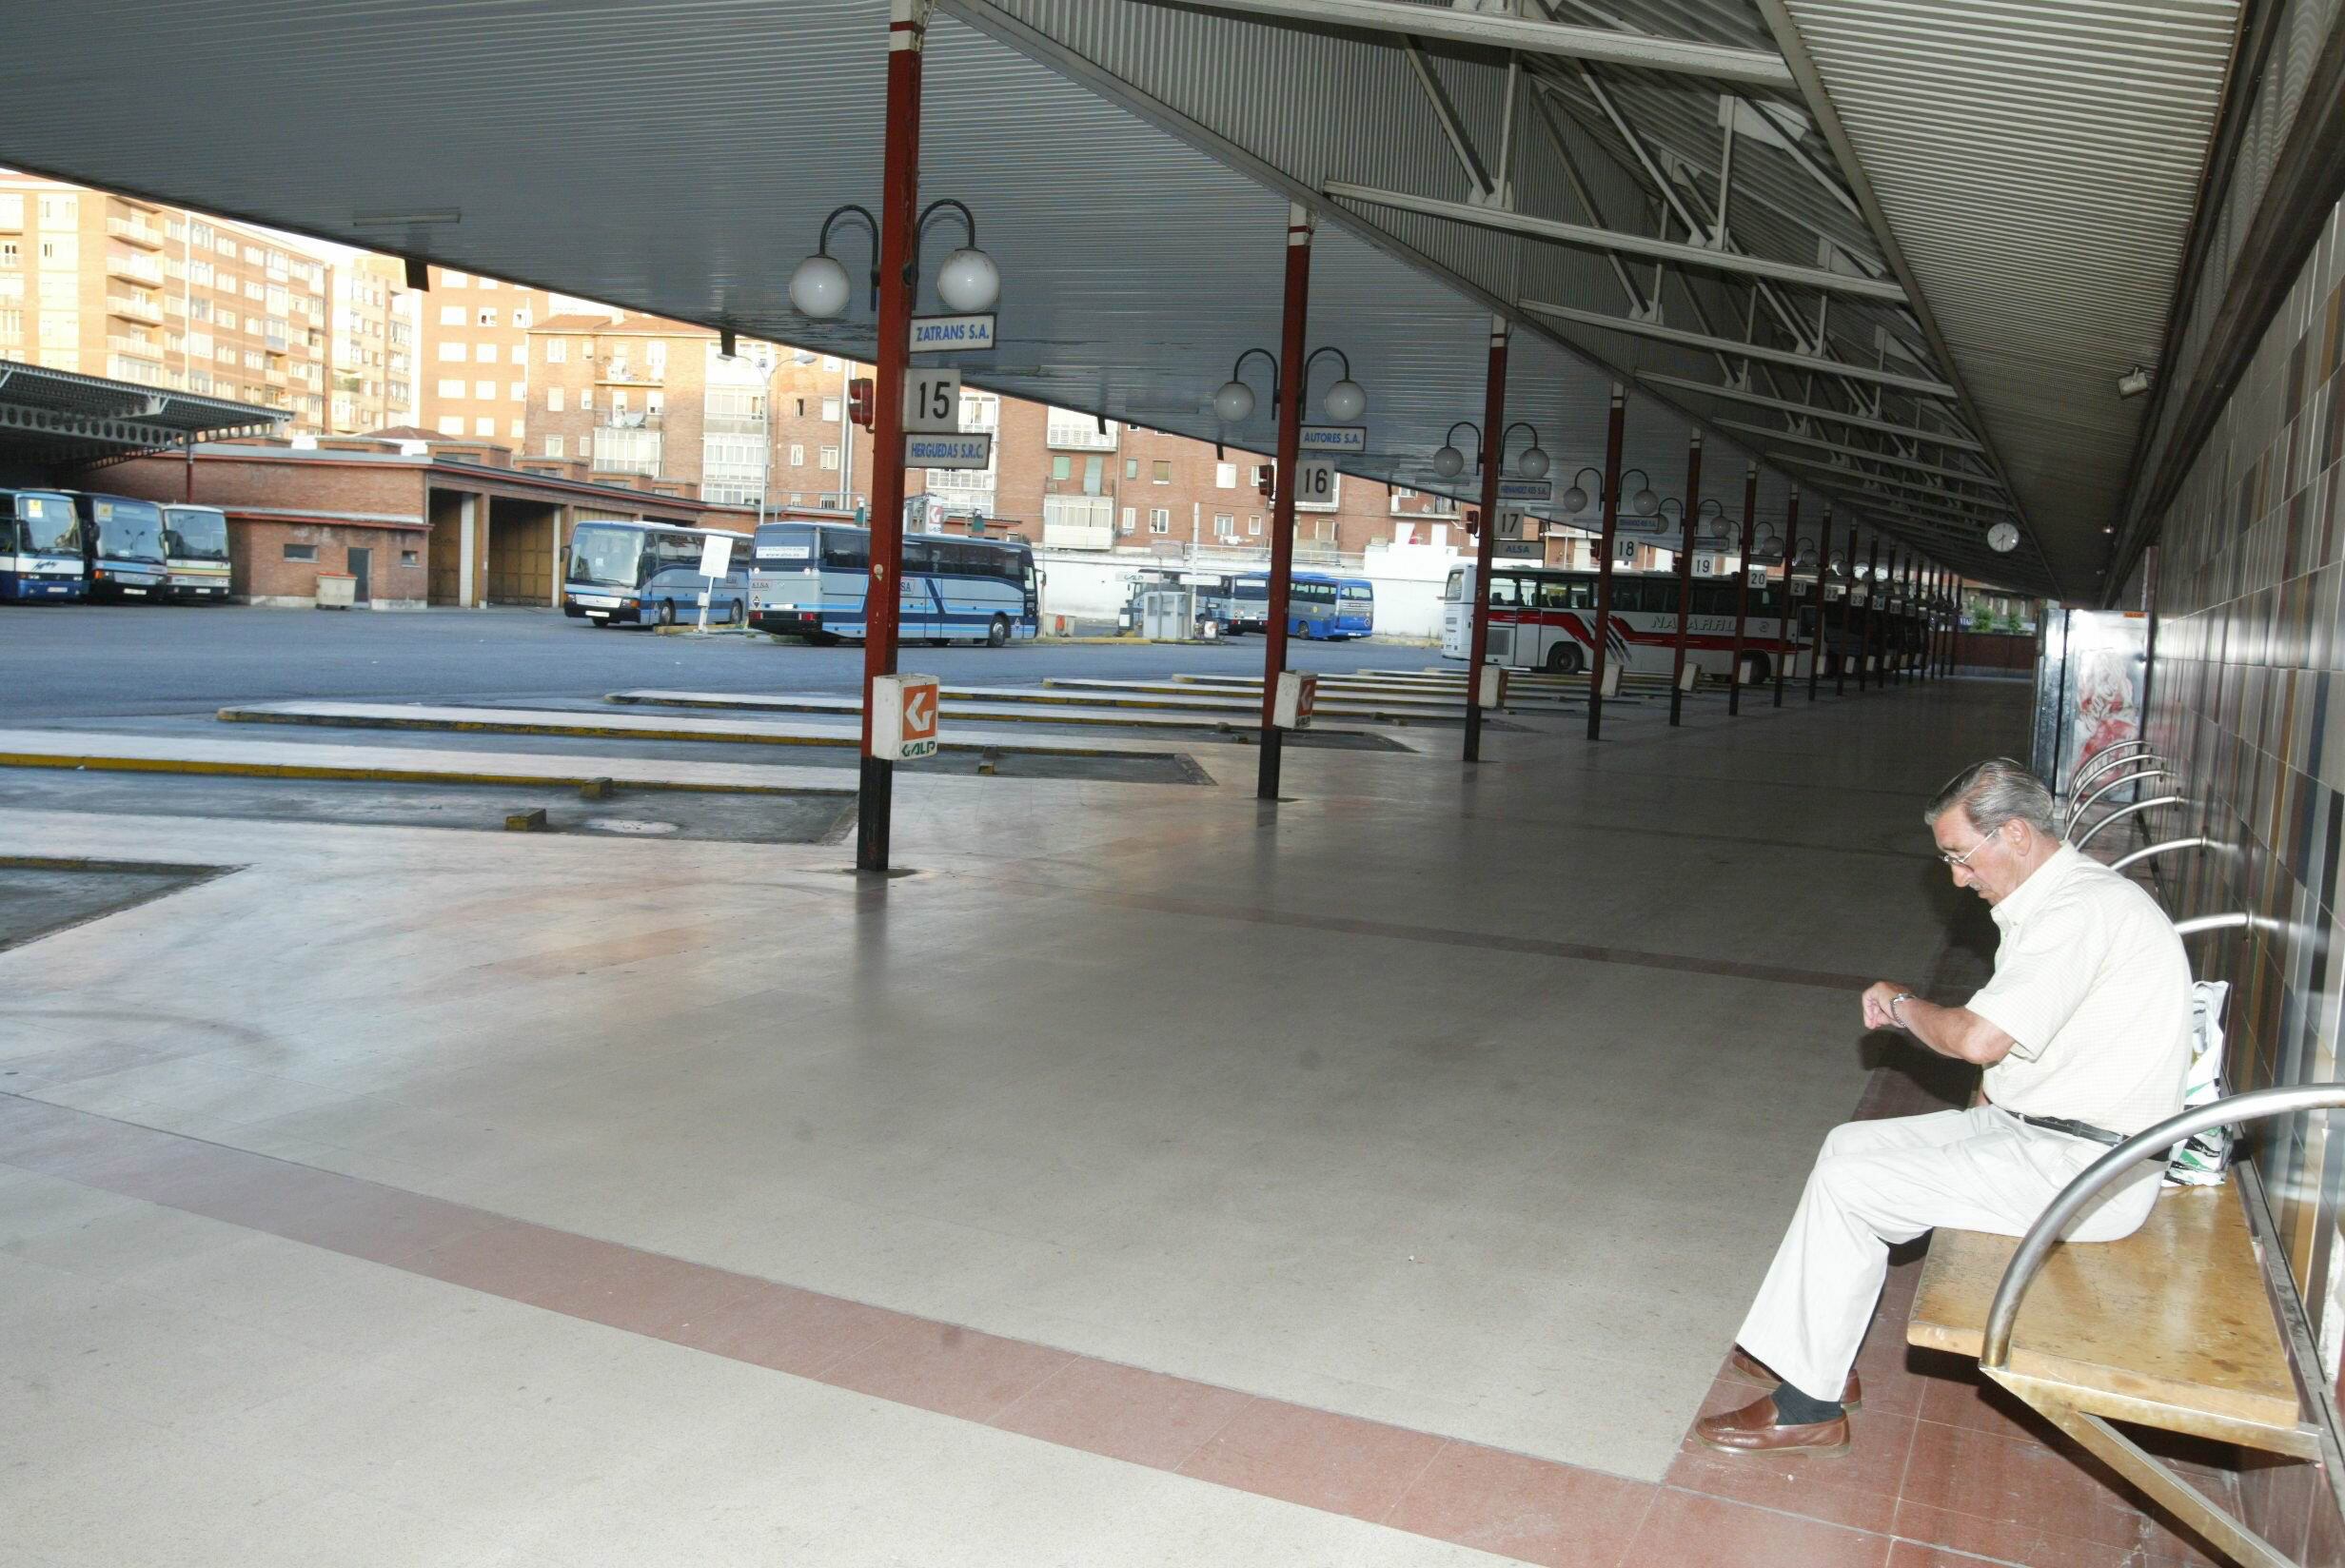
1314, 482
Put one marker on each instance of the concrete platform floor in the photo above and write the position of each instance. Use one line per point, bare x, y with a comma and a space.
1151, 1177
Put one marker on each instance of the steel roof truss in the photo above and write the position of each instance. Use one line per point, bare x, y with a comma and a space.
1728, 345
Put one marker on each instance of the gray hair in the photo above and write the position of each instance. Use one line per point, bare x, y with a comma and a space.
1996, 791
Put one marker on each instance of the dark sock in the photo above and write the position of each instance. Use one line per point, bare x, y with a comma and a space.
1793, 1408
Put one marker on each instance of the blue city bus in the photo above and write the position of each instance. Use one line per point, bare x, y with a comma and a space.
1329, 608
195, 554
122, 547
646, 572
40, 547
811, 578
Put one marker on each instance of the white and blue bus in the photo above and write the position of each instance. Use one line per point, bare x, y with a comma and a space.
650, 572
122, 547
40, 547
1326, 608
811, 578
195, 554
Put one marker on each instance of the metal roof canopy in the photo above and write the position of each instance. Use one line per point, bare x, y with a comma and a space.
1129, 162
56, 418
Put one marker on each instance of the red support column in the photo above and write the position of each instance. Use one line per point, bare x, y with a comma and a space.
899, 217
1840, 667
1691, 513
1486, 551
1291, 377
1787, 615
1872, 600
1742, 590
1603, 628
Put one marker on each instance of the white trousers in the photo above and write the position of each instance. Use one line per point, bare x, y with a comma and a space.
1879, 1183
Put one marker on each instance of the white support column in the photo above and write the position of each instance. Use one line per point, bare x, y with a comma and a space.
468, 550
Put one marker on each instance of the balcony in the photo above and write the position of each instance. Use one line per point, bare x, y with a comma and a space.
127, 264
621, 373
1079, 432
138, 347
138, 234
136, 310
639, 419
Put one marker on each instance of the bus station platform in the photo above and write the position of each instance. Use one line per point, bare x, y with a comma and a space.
402, 1196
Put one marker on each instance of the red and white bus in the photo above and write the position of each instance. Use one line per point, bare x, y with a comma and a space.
1544, 617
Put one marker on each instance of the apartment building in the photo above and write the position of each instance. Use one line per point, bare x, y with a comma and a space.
374, 346
110, 285
472, 366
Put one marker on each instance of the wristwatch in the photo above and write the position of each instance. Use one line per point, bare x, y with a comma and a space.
1901, 997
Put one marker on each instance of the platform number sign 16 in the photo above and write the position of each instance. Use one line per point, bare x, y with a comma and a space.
1314, 482
931, 401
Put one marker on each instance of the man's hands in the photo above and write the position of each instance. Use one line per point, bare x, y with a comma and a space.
1877, 995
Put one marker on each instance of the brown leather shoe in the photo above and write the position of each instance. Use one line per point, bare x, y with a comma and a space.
1852, 1392
1753, 1430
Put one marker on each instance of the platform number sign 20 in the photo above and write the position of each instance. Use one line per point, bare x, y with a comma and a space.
931, 401
1314, 482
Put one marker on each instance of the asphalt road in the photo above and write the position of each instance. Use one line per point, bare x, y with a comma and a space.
99, 661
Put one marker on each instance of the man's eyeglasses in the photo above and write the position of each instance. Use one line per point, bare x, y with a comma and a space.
1957, 862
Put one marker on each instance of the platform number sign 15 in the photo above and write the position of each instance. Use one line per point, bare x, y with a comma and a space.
1314, 482
931, 401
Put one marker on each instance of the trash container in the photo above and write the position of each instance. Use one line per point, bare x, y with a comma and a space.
337, 590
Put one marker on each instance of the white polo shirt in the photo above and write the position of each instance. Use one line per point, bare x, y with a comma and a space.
2093, 988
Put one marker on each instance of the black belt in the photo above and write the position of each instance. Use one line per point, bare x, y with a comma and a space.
2073, 1129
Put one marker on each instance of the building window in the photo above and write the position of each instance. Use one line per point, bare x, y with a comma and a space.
518, 391
1225, 526
486, 391
798, 456
830, 457
10, 254
829, 410
515, 430
449, 351
485, 426
406, 558
1131, 520
1160, 472
13, 212
1159, 521
485, 353
554, 446
452, 425
552, 400
831, 362
301, 552
557, 350
1225, 476
59, 211
451, 389
520, 317
586, 400
1062, 467
1131, 468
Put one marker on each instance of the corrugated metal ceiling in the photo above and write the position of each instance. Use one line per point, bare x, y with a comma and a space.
1130, 161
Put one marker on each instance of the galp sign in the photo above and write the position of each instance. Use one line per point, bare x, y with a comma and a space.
903, 716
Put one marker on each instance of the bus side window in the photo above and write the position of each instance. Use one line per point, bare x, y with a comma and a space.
1503, 592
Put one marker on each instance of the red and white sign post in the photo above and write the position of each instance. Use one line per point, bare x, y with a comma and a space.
903, 716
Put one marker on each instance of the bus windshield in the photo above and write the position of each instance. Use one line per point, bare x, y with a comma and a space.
128, 530
1455, 588
1257, 590
48, 526
784, 544
610, 555
196, 533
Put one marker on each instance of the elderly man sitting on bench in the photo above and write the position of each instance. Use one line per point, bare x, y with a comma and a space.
2085, 1035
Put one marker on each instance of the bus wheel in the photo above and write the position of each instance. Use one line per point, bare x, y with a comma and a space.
741, 613
668, 612
1760, 671
997, 635
1563, 658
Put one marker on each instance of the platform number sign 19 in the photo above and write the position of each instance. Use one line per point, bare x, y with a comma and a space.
1314, 482
932, 400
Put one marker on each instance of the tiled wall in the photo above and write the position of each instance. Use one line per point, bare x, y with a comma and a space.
2248, 694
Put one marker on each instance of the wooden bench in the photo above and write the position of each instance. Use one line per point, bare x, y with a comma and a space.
2170, 1329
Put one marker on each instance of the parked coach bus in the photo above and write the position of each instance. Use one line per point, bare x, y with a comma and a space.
1318, 606
1543, 618
195, 554
40, 547
647, 572
122, 547
811, 578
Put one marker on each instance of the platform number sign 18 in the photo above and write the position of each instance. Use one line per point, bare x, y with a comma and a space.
932, 400
1314, 482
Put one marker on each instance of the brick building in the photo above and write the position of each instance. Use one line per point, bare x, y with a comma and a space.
374, 346
418, 520
109, 285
